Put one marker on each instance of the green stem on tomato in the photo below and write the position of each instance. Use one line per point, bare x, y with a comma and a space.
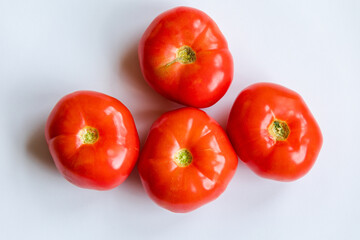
183, 158
89, 135
184, 55
279, 130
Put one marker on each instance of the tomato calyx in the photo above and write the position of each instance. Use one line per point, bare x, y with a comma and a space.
279, 130
183, 158
89, 135
184, 55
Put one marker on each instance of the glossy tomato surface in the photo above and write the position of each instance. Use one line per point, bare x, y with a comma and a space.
274, 132
93, 140
184, 56
187, 160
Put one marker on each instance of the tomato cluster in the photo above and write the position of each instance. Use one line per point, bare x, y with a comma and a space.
188, 159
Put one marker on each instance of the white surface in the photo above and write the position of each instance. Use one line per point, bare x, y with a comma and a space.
51, 48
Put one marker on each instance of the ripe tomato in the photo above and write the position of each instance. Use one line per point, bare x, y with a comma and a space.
274, 132
93, 140
187, 160
184, 56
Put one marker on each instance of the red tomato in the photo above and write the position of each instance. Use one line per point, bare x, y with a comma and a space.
187, 160
93, 140
184, 56
274, 132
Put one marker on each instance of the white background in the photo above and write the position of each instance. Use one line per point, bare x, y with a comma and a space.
51, 48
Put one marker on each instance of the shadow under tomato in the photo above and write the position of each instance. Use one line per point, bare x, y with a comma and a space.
36, 145
133, 183
223, 118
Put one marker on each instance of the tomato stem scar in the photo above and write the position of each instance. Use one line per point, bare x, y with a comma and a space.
184, 55
183, 158
279, 130
89, 135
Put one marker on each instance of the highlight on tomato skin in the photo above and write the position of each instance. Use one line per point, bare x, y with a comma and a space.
273, 132
92, 139
187, 160
184, 56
